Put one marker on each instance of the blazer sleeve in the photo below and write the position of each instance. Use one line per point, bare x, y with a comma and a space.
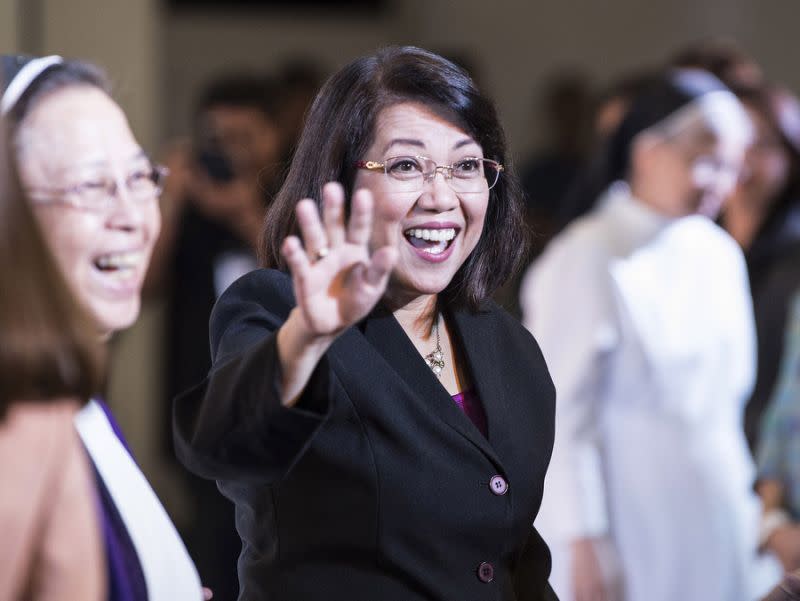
233, 424
567, 305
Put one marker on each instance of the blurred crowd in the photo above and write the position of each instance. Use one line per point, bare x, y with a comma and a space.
650, 458
616, 470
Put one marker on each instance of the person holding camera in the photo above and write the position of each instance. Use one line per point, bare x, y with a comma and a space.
213, 207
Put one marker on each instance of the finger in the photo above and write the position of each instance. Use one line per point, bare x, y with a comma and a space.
207, 594
311, 229
297, 261
380, 266
333, 213
359, 228
391, 232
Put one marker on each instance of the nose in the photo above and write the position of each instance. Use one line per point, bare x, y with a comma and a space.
437, 195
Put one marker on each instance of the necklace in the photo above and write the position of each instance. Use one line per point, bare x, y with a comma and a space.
435, 360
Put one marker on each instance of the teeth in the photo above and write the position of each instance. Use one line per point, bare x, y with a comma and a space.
126, 260
435, 235
435, 250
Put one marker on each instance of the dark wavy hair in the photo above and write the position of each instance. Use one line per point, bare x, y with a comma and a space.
340, 128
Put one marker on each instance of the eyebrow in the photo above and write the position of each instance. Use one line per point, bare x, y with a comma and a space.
421, 144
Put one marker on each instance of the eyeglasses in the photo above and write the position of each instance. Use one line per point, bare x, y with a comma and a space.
409, 173
101, 193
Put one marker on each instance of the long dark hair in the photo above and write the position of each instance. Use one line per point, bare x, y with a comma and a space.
49, 348
340, 127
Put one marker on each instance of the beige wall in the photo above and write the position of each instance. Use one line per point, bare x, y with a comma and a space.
515, 43
9, 26
159, 62
122, 35
198, 47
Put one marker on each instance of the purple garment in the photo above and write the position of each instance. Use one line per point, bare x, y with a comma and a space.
125, 577
470, 404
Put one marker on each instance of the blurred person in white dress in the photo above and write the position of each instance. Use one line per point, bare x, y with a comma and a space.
643, 313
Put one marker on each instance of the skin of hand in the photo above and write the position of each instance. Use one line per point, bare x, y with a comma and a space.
784, 542
771, 493
592, 580
335, 291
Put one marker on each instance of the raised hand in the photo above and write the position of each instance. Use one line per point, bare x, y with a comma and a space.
337, 280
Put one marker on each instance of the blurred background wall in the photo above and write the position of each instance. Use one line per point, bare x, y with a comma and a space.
160, 54
513, 44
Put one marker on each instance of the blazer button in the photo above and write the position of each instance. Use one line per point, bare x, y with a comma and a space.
486, 572
498, 485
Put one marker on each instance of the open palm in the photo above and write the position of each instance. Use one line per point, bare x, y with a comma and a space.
337, 280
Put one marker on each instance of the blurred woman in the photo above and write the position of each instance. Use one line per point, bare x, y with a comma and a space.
95, 195
643, 312
49, 364
763, 215
382, 426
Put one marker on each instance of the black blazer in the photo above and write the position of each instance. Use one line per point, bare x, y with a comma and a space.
375, 486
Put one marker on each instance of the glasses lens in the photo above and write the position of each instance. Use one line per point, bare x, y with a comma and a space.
472, 175
146, 183
491, 172
91, 194
405, 173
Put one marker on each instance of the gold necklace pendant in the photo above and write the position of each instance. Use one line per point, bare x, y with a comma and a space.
435, 359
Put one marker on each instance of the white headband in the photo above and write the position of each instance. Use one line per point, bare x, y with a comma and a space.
24, 77
720, 109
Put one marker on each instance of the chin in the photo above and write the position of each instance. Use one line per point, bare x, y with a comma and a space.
114, 317
425, 287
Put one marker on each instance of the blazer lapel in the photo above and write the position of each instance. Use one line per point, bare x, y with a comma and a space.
387, 337
483, 350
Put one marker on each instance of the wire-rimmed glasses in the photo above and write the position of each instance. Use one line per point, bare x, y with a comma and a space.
409, 173
100, 193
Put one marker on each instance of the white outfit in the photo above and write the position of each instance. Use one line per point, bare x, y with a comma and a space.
169, 572
647, 328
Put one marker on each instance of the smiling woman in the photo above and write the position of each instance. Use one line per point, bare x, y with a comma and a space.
373, 378
95, 196
72, 142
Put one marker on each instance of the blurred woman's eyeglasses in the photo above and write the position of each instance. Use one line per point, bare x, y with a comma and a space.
102, 192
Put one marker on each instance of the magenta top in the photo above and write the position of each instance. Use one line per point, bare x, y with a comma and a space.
470, 404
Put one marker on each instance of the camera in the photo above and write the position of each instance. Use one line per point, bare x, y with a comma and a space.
217, 165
